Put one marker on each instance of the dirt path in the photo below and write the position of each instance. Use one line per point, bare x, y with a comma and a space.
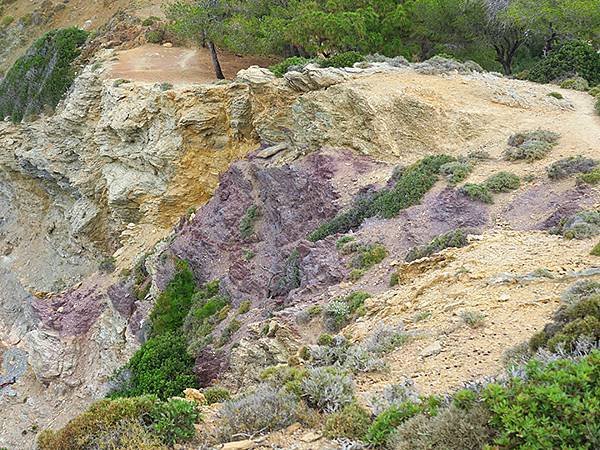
176, 65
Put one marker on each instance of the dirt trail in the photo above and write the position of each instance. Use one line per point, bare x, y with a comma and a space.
154, 64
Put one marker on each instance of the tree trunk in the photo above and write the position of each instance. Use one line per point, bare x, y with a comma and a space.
215, 60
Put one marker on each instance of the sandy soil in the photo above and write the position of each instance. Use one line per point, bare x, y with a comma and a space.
177, 65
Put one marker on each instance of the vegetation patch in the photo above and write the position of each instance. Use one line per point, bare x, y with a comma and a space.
568, 166
556, 95
575, 83
340, 311
327, 389
216, 394
456, 171
409, 189
530, 146
592, 177
583, 225
351, 422
40, 78
477, 192
452, 239
503, 182
248, 221
473, 319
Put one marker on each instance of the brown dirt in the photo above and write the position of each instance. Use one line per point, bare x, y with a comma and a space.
177, 65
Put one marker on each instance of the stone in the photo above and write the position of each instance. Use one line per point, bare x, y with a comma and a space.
168, 45
195, 395
311, 436
255, 75
238, 445
431, 350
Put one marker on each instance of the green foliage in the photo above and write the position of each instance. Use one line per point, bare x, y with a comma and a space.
567, 166
386, 422
137, 423
174, 302
452, 239
154, 37
503, 182
107, 265
596, 250
173, 420
341, 310
161, 367
530, 146
556, 95
6, 21
409, 189
595, 91
345, 59
327, 389
479, 192
351, 422
572, 56
216, 394
286, 377
555, 406
149, 21
464, 399
248, 221
451, 428
341, 242
282, 68
592, 177
368, 255
473, 319
208, 309
231, 328
394, 279
244, 307
41, 77
576, 83
583, 225
456, 171
597, 105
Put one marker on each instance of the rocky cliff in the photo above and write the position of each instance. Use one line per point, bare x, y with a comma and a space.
98, 200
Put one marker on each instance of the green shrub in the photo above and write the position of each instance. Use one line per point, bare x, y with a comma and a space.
40, 78
592, 177
394, 279
264, 410
569, 166
173, 420
369, 255
386, 422
161, 367
456, 171
244, 307
478, 192
597, 105
452, 239
173, 304
464, 399
596, 250
556, 95
248, 221
341, 310
216, 394
149, 21
351, 422
503, 182
451, 428
285, 376
473, 319
572, 56
530, 146
154, 37
137, 423
595, 91
346, 59
341, 242
107, 265
583, 225
554, 406
481, 155
408, 190
327, 389
281, 68
6, 21
575, 83
231, 328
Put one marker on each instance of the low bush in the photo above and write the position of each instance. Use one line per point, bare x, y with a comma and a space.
394, 395
386, 422
556, 95
451, 428
592, 177
414, 182
149, 21
452, 239
341, 310
286, 377
144, 423
173, 304
154, 36
288, 64
595, 91
341, 60
327, 389
264, 410
369, 255
503, 182
575, 83
573, 56
248, 221
456, 171
530, 146
552, 406
478, 192
161, 367
473, 319
583, 225
580, 291
568, 166
596, 250
216, 394
39, 79
244, 307
351, 422
597, 105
